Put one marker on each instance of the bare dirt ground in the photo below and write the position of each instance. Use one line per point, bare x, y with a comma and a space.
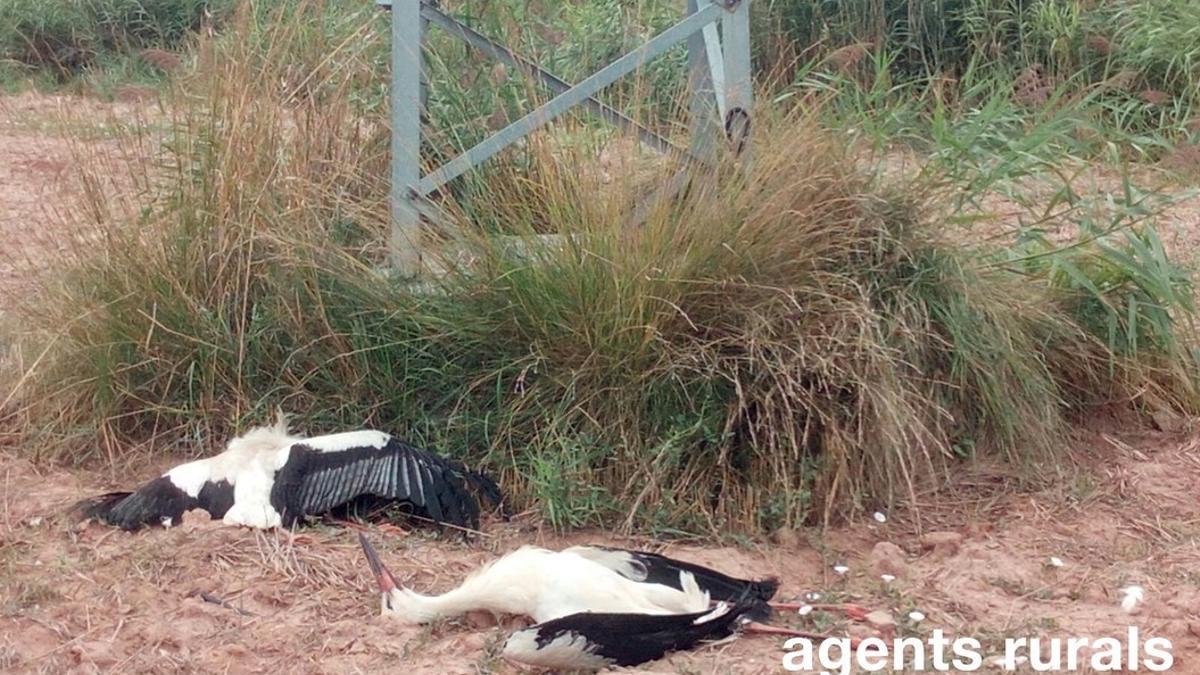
42, 139
32, 168
90, 599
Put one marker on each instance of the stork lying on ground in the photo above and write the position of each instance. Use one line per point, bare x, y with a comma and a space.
268, 478
592, 606
540, 584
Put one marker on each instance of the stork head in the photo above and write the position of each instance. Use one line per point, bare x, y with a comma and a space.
395, 601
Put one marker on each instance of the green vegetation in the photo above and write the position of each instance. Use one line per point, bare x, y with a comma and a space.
102, 41
768, 349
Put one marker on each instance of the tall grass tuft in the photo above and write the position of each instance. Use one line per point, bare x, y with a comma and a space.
66, 37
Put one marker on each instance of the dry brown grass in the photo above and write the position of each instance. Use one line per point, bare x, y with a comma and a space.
790, 343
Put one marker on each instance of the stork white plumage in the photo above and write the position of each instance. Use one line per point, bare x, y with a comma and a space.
269, 478
594, 606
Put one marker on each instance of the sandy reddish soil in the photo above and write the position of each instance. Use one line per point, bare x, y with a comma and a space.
44, 141
32, 167
89, 599
99, 600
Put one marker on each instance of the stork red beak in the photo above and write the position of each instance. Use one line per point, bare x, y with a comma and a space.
384, 577
855, 612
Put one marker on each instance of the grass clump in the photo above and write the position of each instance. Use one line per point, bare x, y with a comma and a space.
1132, 63
68, 37
772, 347
1159, 40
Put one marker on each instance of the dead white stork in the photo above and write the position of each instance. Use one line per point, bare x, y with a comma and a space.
537, 583
268, 478
593, 606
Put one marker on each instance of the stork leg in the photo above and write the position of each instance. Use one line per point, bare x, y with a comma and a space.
755, 627
392, 529
348, 524
856, 612
382, 527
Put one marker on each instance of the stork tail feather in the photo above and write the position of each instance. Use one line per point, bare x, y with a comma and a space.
488, 487
98, 508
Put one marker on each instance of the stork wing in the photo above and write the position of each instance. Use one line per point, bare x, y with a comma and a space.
591, 640
659, 569
312, 481
159, 502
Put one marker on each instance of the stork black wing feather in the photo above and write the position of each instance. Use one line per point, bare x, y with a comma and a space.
156, 503
149, 505
413, 474
444, 498
431, 491
663, 570
659, 569
484, 484
312, 482
97, 507
216, 498
620, 639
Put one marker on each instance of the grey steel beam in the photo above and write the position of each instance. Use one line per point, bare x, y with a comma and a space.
739, 82
720, 77
558, 85
405, 244
706, 111
716, 65
424, 71
704, 88
578, 94
706, 85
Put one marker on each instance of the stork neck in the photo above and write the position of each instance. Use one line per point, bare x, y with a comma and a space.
424, 608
